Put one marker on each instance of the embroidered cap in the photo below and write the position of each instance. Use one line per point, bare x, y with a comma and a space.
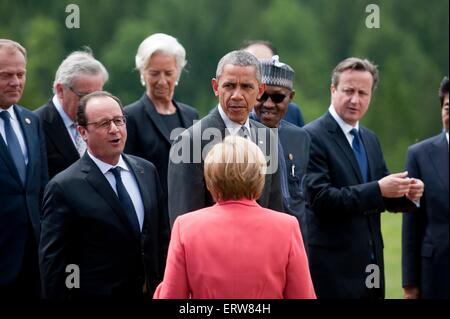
276, 73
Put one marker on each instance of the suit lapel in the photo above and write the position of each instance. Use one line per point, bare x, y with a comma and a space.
438, 153
143, 184
155, 118
372, 151
96, 178
58, 134
343, 144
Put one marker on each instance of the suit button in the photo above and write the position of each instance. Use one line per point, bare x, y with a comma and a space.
370, 243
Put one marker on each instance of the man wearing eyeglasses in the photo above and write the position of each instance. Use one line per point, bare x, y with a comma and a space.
78, 75
293, 149
114, 232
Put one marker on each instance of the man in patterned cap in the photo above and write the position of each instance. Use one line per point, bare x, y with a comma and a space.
293, 147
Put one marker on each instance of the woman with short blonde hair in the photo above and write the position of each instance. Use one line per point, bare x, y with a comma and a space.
236, 249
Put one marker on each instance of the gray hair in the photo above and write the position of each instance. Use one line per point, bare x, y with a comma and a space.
78, 63
163, 43
13, 45
356, 64
239, 58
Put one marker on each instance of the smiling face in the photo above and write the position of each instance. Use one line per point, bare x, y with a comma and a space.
105, 143
269, 112
238, 90
351, 97
12, 76
160, 76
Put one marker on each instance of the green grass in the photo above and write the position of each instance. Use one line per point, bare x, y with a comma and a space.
391, 227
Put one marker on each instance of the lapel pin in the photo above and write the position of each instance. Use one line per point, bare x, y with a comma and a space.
291, 157
27, 120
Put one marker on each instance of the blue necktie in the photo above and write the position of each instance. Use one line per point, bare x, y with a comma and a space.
125, 200
360, 153
14, 146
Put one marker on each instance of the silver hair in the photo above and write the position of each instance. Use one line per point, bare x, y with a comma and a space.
239, 58
13, 45
78, 63
160, 42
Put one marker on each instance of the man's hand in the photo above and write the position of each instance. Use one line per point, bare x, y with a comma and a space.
415, 190
411, 292
395, 185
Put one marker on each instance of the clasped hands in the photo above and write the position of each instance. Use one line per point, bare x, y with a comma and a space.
399, 184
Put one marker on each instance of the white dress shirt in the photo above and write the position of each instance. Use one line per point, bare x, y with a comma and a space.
346, 128
68, 123
233, 127
128, 180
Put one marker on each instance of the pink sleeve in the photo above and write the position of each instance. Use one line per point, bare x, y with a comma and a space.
175, 284
298, 278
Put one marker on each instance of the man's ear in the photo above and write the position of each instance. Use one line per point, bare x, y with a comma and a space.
83, 132
215, 86
291, 95
261, 89
59, 88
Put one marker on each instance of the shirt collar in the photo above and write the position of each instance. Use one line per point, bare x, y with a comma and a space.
66, 119
232, 127
105, 167
345, 127
11, 112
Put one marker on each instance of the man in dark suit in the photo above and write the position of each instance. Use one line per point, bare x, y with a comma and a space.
348, 186
78, 75
238, 85
112, 235
425, 232
23, 176
293, 150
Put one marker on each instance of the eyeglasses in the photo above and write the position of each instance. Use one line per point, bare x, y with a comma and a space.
80, 95
276, 97
106, 124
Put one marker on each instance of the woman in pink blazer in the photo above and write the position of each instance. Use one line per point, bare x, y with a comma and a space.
236, 249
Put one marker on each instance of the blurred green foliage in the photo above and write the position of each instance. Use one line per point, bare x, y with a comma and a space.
411, 49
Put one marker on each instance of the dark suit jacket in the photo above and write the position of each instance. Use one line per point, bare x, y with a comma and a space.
296, 144
344, 226
425, 232
186, 183
293, 115
20, 205
84, 224
61, 152
148, 137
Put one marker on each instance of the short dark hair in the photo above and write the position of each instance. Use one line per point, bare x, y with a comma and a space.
268, 44
443, 89
81, 111
356, 64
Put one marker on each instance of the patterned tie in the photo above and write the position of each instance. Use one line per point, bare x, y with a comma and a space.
125, 200
243, 132
14, 146
80, 144
360, 153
